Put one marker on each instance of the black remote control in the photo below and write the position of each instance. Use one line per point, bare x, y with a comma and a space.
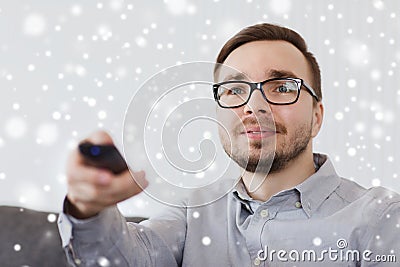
103, 156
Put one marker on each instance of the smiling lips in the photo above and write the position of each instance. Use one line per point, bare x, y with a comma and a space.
258, 132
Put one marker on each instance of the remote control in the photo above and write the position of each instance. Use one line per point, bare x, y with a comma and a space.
103, 156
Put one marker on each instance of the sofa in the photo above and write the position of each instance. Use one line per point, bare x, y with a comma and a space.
30, 238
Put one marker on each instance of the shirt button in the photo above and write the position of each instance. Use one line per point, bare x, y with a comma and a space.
264, 213
298, 204
257, 261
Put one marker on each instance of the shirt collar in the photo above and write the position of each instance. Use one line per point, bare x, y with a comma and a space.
316, 188
313, 191
240, 191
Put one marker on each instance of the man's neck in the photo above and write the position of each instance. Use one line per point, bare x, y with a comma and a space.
262, 186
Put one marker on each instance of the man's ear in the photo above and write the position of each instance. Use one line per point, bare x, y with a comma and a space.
318, 115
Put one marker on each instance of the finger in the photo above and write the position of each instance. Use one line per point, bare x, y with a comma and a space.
97, 197
90, 175
120, 188
77, 171
90, 195
139, 177
100, 137
127, 185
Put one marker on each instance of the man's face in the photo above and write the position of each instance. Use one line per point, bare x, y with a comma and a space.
257, 134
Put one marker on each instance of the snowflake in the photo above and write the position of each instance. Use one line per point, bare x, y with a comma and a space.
317, 241
206, 241
34, 25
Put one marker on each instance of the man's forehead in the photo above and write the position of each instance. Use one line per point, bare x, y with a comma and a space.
227, 74
257, 59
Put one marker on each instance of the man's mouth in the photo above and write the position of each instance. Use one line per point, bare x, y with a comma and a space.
258, 132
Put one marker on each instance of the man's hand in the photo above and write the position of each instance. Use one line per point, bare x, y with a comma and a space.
90, 190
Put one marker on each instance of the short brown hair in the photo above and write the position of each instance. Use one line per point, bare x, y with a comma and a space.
272, 32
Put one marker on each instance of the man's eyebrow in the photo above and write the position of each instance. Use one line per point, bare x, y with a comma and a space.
271, 73
274, 73
239, 76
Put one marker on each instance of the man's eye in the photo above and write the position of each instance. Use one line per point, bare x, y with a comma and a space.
235, 91
232, 91
283, 89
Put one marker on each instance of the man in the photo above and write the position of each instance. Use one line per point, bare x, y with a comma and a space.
289, 208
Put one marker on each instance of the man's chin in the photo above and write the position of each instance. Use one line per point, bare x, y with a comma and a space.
256, 148
255, 164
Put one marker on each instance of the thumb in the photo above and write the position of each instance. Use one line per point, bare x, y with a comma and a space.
100, 137
140, 179
131, 184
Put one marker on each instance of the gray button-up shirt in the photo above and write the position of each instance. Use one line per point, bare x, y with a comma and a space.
324, 221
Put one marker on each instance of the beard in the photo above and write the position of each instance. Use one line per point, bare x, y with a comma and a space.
264, 156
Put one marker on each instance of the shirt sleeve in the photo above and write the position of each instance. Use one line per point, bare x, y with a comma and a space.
108, 240
383, 247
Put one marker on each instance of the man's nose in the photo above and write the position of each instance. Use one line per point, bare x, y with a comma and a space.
256, 104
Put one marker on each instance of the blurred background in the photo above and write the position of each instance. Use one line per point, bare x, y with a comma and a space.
68, 68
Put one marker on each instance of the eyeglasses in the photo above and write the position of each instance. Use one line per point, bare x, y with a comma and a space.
276, 91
